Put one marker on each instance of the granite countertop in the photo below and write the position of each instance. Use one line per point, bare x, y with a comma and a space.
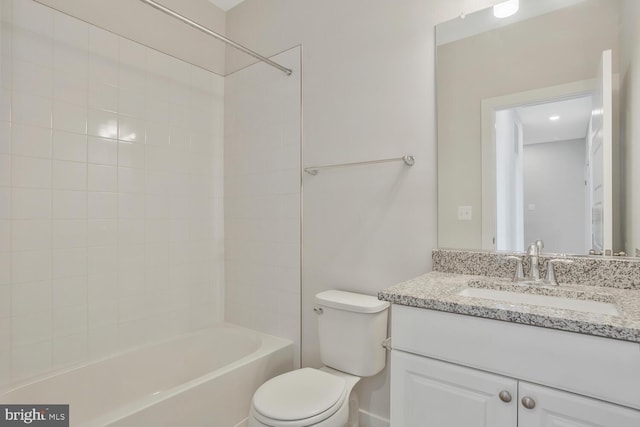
438, 291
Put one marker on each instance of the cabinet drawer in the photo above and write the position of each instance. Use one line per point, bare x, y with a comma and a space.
602, 368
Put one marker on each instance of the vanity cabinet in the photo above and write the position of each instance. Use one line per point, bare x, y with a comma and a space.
431, 393
450, 370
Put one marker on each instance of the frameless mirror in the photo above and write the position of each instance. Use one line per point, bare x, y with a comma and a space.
536, 127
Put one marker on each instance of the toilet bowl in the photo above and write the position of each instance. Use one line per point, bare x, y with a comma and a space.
351, 330
306, 397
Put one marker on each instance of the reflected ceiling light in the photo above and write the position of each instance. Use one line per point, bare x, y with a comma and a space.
554, 118
506, 9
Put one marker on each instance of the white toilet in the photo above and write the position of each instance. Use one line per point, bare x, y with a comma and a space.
352, 328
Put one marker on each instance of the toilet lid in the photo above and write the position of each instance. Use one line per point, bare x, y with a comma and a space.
299, 394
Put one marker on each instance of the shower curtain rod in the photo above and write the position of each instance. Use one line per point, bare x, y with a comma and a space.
220, 37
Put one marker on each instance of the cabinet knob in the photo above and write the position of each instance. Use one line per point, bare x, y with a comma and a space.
505, 396
528, 402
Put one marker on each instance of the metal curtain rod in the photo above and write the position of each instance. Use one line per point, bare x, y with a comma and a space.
408, 160
220, 37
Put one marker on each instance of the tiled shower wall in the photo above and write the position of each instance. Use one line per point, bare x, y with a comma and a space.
262, 197
111, 217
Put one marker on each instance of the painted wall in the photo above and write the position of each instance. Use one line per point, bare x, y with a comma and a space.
522, 47
368, 93
137, 21
262, 197
110, 193
630, 71
554, 183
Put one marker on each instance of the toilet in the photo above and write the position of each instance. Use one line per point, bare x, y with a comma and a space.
351, 330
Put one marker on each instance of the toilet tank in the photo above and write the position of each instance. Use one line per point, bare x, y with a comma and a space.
352, 328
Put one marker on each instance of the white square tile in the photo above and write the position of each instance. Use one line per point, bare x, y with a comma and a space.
131, 180
157, 230
69, 262
102, 123
131, 155
103, 43
180, 138
5, 170
5, 268
69, 204
5, 137
32, 47
131, 232
31, 78
131, 129
103, 151
69, 320
69, 146
31, 172
103, 340
157, 134
102, 70
156, 206
103, 260
31, 359
30, 203
31, 109
130, 205
34, 17
70, 291
131, 77
69, 31
69, 117
69, 175
69, 233
102, 232
131, 103
102, 288
102, 205
5, 325
103, 178
30, 234
5, 235
32, 297
103, 96
31, 141
70, 349
5, 202
30, 266
133, 55
156, 110
71, 87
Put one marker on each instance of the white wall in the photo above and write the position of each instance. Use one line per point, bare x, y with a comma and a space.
262, 197
630, 60
368, 93
554, 183
137, 21
110, 193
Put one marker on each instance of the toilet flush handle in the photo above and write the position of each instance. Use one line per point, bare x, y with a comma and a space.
318, 310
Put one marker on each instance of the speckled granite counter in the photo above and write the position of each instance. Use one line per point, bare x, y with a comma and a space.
438, 291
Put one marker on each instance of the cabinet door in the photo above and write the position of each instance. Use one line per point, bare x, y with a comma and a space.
555, 408
430, 393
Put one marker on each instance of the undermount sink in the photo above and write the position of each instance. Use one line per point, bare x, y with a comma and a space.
545, 297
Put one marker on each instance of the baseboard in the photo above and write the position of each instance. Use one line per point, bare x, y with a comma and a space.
243, 423
370, 420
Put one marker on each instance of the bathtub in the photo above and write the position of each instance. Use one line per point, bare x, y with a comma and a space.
204, 378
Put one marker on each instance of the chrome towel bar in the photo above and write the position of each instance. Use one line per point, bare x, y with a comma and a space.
408, 160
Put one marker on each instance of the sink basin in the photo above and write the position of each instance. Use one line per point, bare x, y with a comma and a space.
552, 301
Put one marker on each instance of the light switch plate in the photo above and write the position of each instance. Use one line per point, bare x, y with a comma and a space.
465, 213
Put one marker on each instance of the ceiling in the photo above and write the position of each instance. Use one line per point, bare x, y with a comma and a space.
572, 123
226, 4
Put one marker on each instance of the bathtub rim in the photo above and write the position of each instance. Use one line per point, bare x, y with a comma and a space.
271, 339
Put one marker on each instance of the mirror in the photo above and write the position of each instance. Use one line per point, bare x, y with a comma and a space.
525, 104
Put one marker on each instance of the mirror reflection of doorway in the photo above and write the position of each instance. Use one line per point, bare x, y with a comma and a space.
544, 174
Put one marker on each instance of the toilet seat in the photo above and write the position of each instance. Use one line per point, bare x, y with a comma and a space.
299, 398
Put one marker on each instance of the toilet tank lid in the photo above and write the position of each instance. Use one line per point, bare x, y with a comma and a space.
350, 301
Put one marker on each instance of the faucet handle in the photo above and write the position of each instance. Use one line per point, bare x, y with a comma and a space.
540, 244
519, 274
551, 273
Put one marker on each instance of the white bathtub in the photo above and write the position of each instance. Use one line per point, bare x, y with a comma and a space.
205, 378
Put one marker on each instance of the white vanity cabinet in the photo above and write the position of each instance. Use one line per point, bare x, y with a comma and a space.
450, 370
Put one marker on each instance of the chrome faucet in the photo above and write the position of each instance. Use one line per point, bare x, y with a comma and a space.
533, 253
